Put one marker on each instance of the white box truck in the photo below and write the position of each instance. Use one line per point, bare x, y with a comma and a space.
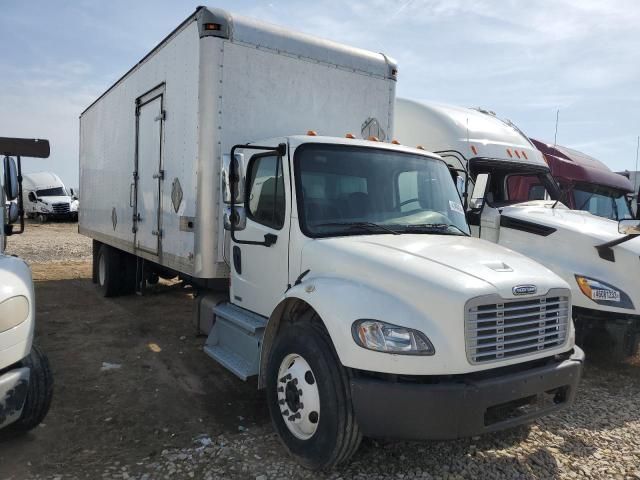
26, 383
337, 270
598, 257
45, 197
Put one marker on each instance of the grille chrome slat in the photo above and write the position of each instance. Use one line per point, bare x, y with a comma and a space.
520, 315
518, 332
517, 349
531, 339
523, 307
515, 327
472, 328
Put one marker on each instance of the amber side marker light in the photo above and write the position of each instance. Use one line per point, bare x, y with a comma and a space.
212, 26
474, 149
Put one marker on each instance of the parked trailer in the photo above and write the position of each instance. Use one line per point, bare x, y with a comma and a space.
585, 182
338, 271
45, 197
598, 257
26, 383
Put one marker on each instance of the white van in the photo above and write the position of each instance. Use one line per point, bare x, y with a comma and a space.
45, 197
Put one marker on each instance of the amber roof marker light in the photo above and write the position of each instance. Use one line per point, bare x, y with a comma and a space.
212, 26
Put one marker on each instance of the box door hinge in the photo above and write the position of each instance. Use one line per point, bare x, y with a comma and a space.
157, 233
159, 175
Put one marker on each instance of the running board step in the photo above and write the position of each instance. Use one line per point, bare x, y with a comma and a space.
235, 339
230, 360
249, 321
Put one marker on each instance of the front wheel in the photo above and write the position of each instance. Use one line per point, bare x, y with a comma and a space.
39, 393
309, 396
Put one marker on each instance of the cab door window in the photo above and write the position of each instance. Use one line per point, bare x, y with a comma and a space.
265, 201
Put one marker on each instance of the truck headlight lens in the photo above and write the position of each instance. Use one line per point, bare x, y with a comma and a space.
385, 337
602, 293
13, 312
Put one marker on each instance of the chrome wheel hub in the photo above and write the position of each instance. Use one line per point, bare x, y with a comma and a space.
298, 396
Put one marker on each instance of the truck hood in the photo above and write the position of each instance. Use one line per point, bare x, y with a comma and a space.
570, 251
465, 264
598, 229
56, 199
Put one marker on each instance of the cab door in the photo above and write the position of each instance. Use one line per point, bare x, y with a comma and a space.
259, 270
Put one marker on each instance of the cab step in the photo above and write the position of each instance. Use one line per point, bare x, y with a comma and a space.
235, 338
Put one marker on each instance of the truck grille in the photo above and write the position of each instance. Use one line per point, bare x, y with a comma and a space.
60, 208
497, 329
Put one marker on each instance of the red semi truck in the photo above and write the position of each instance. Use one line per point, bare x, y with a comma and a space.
586, 183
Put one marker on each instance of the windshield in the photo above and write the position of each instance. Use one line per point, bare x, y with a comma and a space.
355, 191
51, 192
602, 201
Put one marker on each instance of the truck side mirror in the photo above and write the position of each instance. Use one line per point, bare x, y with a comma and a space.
238, 179
13, 213
479, 191
10, 178
460, 185
629, 227
32, 197
239, 218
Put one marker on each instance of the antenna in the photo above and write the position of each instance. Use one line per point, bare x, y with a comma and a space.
635, 175
468, 130
555, 137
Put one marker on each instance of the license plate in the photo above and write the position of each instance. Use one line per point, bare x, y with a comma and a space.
607, 295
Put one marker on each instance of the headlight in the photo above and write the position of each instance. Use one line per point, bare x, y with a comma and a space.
602, 293
13, 312
385, 337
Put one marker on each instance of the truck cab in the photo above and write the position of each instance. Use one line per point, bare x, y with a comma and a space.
355, 255
45, 197
26, 386
586, 183
512, 199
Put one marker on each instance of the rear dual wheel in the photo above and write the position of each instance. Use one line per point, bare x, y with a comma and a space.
309, 396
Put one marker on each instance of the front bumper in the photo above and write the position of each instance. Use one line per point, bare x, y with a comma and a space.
13, 392
464, 407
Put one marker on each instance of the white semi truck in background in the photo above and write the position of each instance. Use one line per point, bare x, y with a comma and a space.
598, 257
26, 384
339, 271
45, 197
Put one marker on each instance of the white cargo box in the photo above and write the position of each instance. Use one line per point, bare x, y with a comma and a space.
151, 146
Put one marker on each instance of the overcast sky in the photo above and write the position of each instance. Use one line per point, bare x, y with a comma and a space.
522, 59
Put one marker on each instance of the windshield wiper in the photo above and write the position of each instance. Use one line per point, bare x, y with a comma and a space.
438, 227
370, 226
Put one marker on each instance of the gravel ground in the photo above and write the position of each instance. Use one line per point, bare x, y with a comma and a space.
50, 242
178, 415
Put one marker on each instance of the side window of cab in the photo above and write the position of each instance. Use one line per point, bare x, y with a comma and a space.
265, 197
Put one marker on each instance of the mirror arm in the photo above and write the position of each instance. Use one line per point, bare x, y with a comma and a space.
605, 251
280, 150
20, 206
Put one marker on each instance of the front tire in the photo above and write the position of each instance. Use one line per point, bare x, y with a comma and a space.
309, 396
39, 394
